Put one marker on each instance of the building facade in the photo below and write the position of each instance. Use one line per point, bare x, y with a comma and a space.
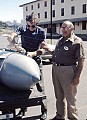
73, 10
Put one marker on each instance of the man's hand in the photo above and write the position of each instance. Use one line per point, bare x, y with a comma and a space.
11, 37
44, 45
40, 52
79, 69
36, 53
20, 49
47, 47
75, 81
31, 54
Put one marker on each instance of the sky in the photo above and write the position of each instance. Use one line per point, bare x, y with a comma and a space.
10, 10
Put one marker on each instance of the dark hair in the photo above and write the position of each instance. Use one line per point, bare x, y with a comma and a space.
32, 17
29, 18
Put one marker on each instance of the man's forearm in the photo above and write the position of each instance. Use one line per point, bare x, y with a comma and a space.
14, 34
79, 67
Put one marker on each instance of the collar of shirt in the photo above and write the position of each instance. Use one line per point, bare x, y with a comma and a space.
71, 38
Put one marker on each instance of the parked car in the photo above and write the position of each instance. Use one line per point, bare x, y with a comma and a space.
54, 36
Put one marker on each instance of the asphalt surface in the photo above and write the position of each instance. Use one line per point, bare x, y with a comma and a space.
49, 90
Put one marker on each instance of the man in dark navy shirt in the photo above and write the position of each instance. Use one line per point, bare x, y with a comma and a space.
31, 38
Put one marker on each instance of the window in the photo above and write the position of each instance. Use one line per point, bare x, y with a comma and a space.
38, 15
26, 16
83, 25
53, 13
84, 8
72, 10
62, 1
53, 2
74, 25
31, 7
45, 14
38, 5
45, 4
45, 26
26, 8
60, 25
62, 11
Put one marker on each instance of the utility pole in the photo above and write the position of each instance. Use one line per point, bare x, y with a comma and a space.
51, 19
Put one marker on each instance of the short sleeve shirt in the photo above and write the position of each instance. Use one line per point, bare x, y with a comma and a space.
32, 39
68, 51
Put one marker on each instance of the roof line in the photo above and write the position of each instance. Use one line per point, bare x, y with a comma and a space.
28, 3
60, 21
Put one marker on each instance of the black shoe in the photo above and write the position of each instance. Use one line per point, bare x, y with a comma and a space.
39, 87
56, 118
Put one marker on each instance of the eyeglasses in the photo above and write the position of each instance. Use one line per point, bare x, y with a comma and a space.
33, 26
65, 27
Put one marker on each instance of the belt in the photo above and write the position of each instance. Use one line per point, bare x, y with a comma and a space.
61, 64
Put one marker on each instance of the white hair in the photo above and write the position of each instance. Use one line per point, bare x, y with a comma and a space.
69, 24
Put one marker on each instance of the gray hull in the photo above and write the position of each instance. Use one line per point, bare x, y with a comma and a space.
18, 71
